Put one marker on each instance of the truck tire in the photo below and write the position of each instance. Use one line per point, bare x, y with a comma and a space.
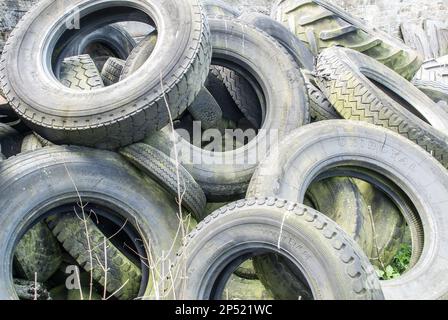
80, 73
415, 37
108, 41
225, 175
302, 55
274, 226
110, 117
206, 110
10, 141
162, 169
321, 25
70, 230
111, 71
370, 153
432, 79
360, 88
103, 180
220, 8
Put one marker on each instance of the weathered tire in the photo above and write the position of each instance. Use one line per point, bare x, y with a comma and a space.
220, 8
340, 200
115, 116
100, 44
139, 55
102, 179
438, 36
10, 141
225, 175
243, 94
334, 265
205, 109
366, 152
320, 108
246, 271
37, 252
321, 25
111, 71
388, 223
70, 230
80, 73
360, 88
30, 143
432, 79
162, 169
415, 37
302, 55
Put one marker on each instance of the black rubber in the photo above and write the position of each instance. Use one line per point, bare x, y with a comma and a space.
51, 180
302, 55
113, 116
206, 110
321, 24
10, 141
257, 226
384, 159
162, 169
361, 88
80, 73
111, 71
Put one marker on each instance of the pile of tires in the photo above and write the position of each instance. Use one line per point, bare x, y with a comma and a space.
218, 154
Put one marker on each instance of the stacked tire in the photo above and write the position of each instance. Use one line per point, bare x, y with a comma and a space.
219, 154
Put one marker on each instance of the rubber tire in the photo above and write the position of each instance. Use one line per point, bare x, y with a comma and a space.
242, 93
225, 176
111, 71
206, 110
318, 147
70, 231
302, 55
10, 141
415, 37
112, 41
80, 73
110, 117
322, 25
162, 169
320, 108
142, 52
305, 236
388, 221
438, 36
432, 79
342, 74
101, 178
37, 252
220, 8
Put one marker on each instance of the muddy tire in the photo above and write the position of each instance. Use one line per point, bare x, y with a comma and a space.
37, 252
302, 55
111, 71
388, 161
224, 176
432, 79
259, 221
103, 179
321, 25
360, 88
113, 116
70, 230
162, 169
